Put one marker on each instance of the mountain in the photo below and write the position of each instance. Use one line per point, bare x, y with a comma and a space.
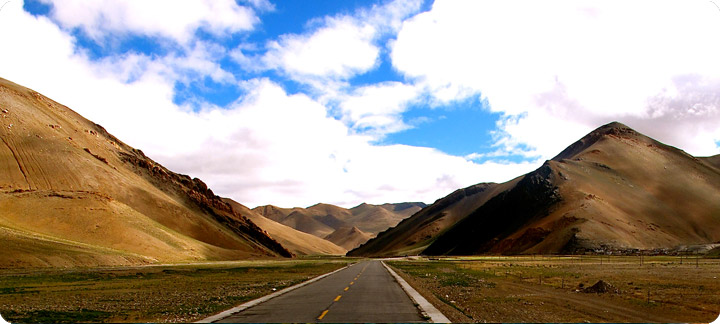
713, 161
377, 218
297, 242
72, 194
323, 219
613, 190
332, 222
414, 234
348, 237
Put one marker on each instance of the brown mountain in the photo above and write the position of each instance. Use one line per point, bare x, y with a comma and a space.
614, 189
72, 194
377, 218
713, 161
322, 220
297, 242
348, 237
414, 234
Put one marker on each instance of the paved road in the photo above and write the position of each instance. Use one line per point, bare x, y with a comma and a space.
364, 292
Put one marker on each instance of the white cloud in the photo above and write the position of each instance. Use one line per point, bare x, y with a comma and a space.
267, 147
177, 20
339, 50
341, 46
377, 109
559, 69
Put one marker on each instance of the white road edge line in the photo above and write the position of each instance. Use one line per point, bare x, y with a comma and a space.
428, 309
265, 298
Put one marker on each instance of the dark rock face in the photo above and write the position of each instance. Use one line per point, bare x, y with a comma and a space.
501, 216
425, 216
198, 194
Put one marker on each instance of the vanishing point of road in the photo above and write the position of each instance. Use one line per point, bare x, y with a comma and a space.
363, 292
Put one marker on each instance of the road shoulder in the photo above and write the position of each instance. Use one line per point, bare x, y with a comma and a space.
425, 307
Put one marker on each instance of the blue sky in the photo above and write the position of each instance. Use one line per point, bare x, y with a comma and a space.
293, 103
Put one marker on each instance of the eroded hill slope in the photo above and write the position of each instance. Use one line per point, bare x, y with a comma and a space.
72, 194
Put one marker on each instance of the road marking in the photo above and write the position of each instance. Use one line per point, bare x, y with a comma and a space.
346, 288
352, 282
323, 314
254, 302
337, 298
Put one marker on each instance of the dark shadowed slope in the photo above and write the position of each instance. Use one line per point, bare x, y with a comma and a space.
414, 234
615, 189
72, 194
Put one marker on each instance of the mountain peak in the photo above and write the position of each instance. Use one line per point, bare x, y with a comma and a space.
615, 128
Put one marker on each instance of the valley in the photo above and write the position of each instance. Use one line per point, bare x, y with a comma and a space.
93, 230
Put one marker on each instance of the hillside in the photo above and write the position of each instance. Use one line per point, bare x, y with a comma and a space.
348, 237
71, 194
414, 234
713, 161
613, 190
323, 219
297, 242
377, 218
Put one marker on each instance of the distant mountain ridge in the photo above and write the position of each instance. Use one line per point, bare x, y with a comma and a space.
613, 190
322, 220
297, 242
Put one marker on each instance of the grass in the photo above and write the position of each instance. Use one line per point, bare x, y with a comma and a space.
170, 293
547, 288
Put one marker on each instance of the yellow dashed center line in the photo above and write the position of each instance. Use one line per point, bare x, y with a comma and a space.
346, 288
323, 314
352, 282
337, 298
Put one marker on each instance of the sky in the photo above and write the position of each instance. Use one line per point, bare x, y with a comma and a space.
292, 103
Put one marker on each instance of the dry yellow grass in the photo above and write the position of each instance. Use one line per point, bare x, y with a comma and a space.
178, 293
548, 289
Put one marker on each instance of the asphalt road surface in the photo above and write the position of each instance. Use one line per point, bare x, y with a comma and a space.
364, 292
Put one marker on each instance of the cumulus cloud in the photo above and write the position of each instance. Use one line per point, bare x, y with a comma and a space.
266, 147
377, 109
559, 69
177, 20
339, 50
272, 147
338, 47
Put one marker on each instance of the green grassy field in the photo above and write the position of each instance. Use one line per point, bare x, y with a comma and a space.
168, 293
